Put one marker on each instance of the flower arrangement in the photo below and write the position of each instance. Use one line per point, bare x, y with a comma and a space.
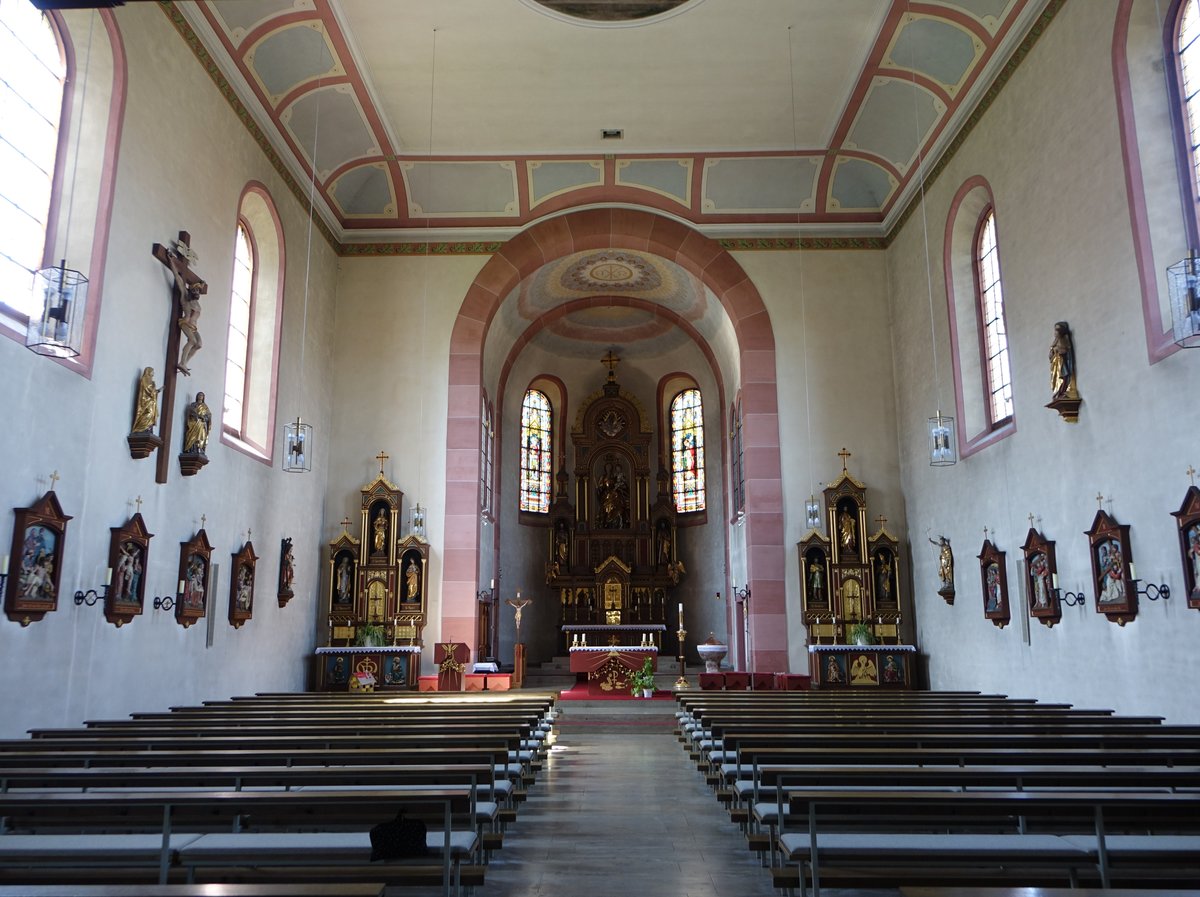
860, 634
643, 679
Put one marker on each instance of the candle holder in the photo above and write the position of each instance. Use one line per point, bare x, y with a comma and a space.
1153, 591
1070, 599
682, 681
167, 602
91, 597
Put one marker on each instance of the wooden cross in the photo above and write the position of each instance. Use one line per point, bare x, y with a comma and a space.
1191, 472
381, 457
985, 533
54, 478
611, 361
247, 534
1100, 500
176, 259
1031, 521
138, 501
845, 456
345, 524
881, 520
203, 520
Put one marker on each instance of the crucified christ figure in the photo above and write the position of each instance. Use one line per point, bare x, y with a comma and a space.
189, 304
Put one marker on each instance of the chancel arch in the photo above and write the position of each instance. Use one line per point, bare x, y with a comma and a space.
753, 348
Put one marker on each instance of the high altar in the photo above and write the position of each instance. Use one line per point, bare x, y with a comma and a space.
611, 552
851, 590
376, 598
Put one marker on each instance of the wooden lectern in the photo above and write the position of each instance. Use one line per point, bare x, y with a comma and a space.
451, 659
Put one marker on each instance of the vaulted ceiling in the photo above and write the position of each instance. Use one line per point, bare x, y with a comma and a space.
468, 119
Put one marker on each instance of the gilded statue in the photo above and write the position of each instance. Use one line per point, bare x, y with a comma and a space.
846, 529
1062, 363
945, 561
145, 412
612, 495
411, 581
198, 422
380, 527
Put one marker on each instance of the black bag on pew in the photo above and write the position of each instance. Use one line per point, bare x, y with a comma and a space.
399, 839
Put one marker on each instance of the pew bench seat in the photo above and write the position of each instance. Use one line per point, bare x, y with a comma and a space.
87, 850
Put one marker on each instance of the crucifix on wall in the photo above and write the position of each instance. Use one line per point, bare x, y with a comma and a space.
185, 316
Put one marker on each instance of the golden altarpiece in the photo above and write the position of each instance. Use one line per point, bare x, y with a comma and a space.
611, 551
853, 607
376, 596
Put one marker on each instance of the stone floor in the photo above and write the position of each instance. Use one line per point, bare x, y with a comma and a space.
619, 810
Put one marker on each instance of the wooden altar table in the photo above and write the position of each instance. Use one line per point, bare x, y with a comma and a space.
608, 668
862, 666
393, 666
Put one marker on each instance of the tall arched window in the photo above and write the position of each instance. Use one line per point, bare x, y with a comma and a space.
237, 359
1187, 50
687, 451
487, 449
255, 316
993, 332
32, 74
537, 452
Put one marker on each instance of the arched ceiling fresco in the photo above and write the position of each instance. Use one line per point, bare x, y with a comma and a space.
737, 116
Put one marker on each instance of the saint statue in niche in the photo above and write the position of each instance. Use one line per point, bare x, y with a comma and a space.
380, 527
846, 529
612, 496
1062, 363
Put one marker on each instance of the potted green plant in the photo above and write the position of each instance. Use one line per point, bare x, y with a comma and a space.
860, 634
641, 683
371, 635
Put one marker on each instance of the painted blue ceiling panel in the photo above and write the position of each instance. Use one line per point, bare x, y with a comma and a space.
290, 57
894, 117
858, 184
935, 48
364, 191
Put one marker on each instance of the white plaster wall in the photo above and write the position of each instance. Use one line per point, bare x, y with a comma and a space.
392, 345
182, 166
1049, 148
833, 352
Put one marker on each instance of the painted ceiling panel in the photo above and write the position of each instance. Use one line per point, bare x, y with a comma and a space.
240, 16
859, 184
761, 184
461, 188
987, 11
670, 177
936, 48
365, 191
895, 116
290, 57
547, 179
341, 134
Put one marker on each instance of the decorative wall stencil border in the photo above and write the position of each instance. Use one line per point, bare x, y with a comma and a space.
384, 249
776, 244
226, 89
1053, 8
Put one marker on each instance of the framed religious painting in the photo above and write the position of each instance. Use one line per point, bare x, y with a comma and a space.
1041, 579
1112, 578
1188, 521
128, 552
994, 578
241, 585
287, 572
35, 565
195, 567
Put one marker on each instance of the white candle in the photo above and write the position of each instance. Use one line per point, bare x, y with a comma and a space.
108, 577
180, 592
1132, 572
493, 584
1054, 580
5, 565
681, 607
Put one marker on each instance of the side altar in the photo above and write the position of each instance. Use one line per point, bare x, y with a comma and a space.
851, 586
375, 595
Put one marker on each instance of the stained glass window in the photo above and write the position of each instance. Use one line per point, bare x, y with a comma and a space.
536, 452
735, 454
995, 333
687, 451
32, 73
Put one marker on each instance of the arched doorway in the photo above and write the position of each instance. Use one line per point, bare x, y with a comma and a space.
707, 260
